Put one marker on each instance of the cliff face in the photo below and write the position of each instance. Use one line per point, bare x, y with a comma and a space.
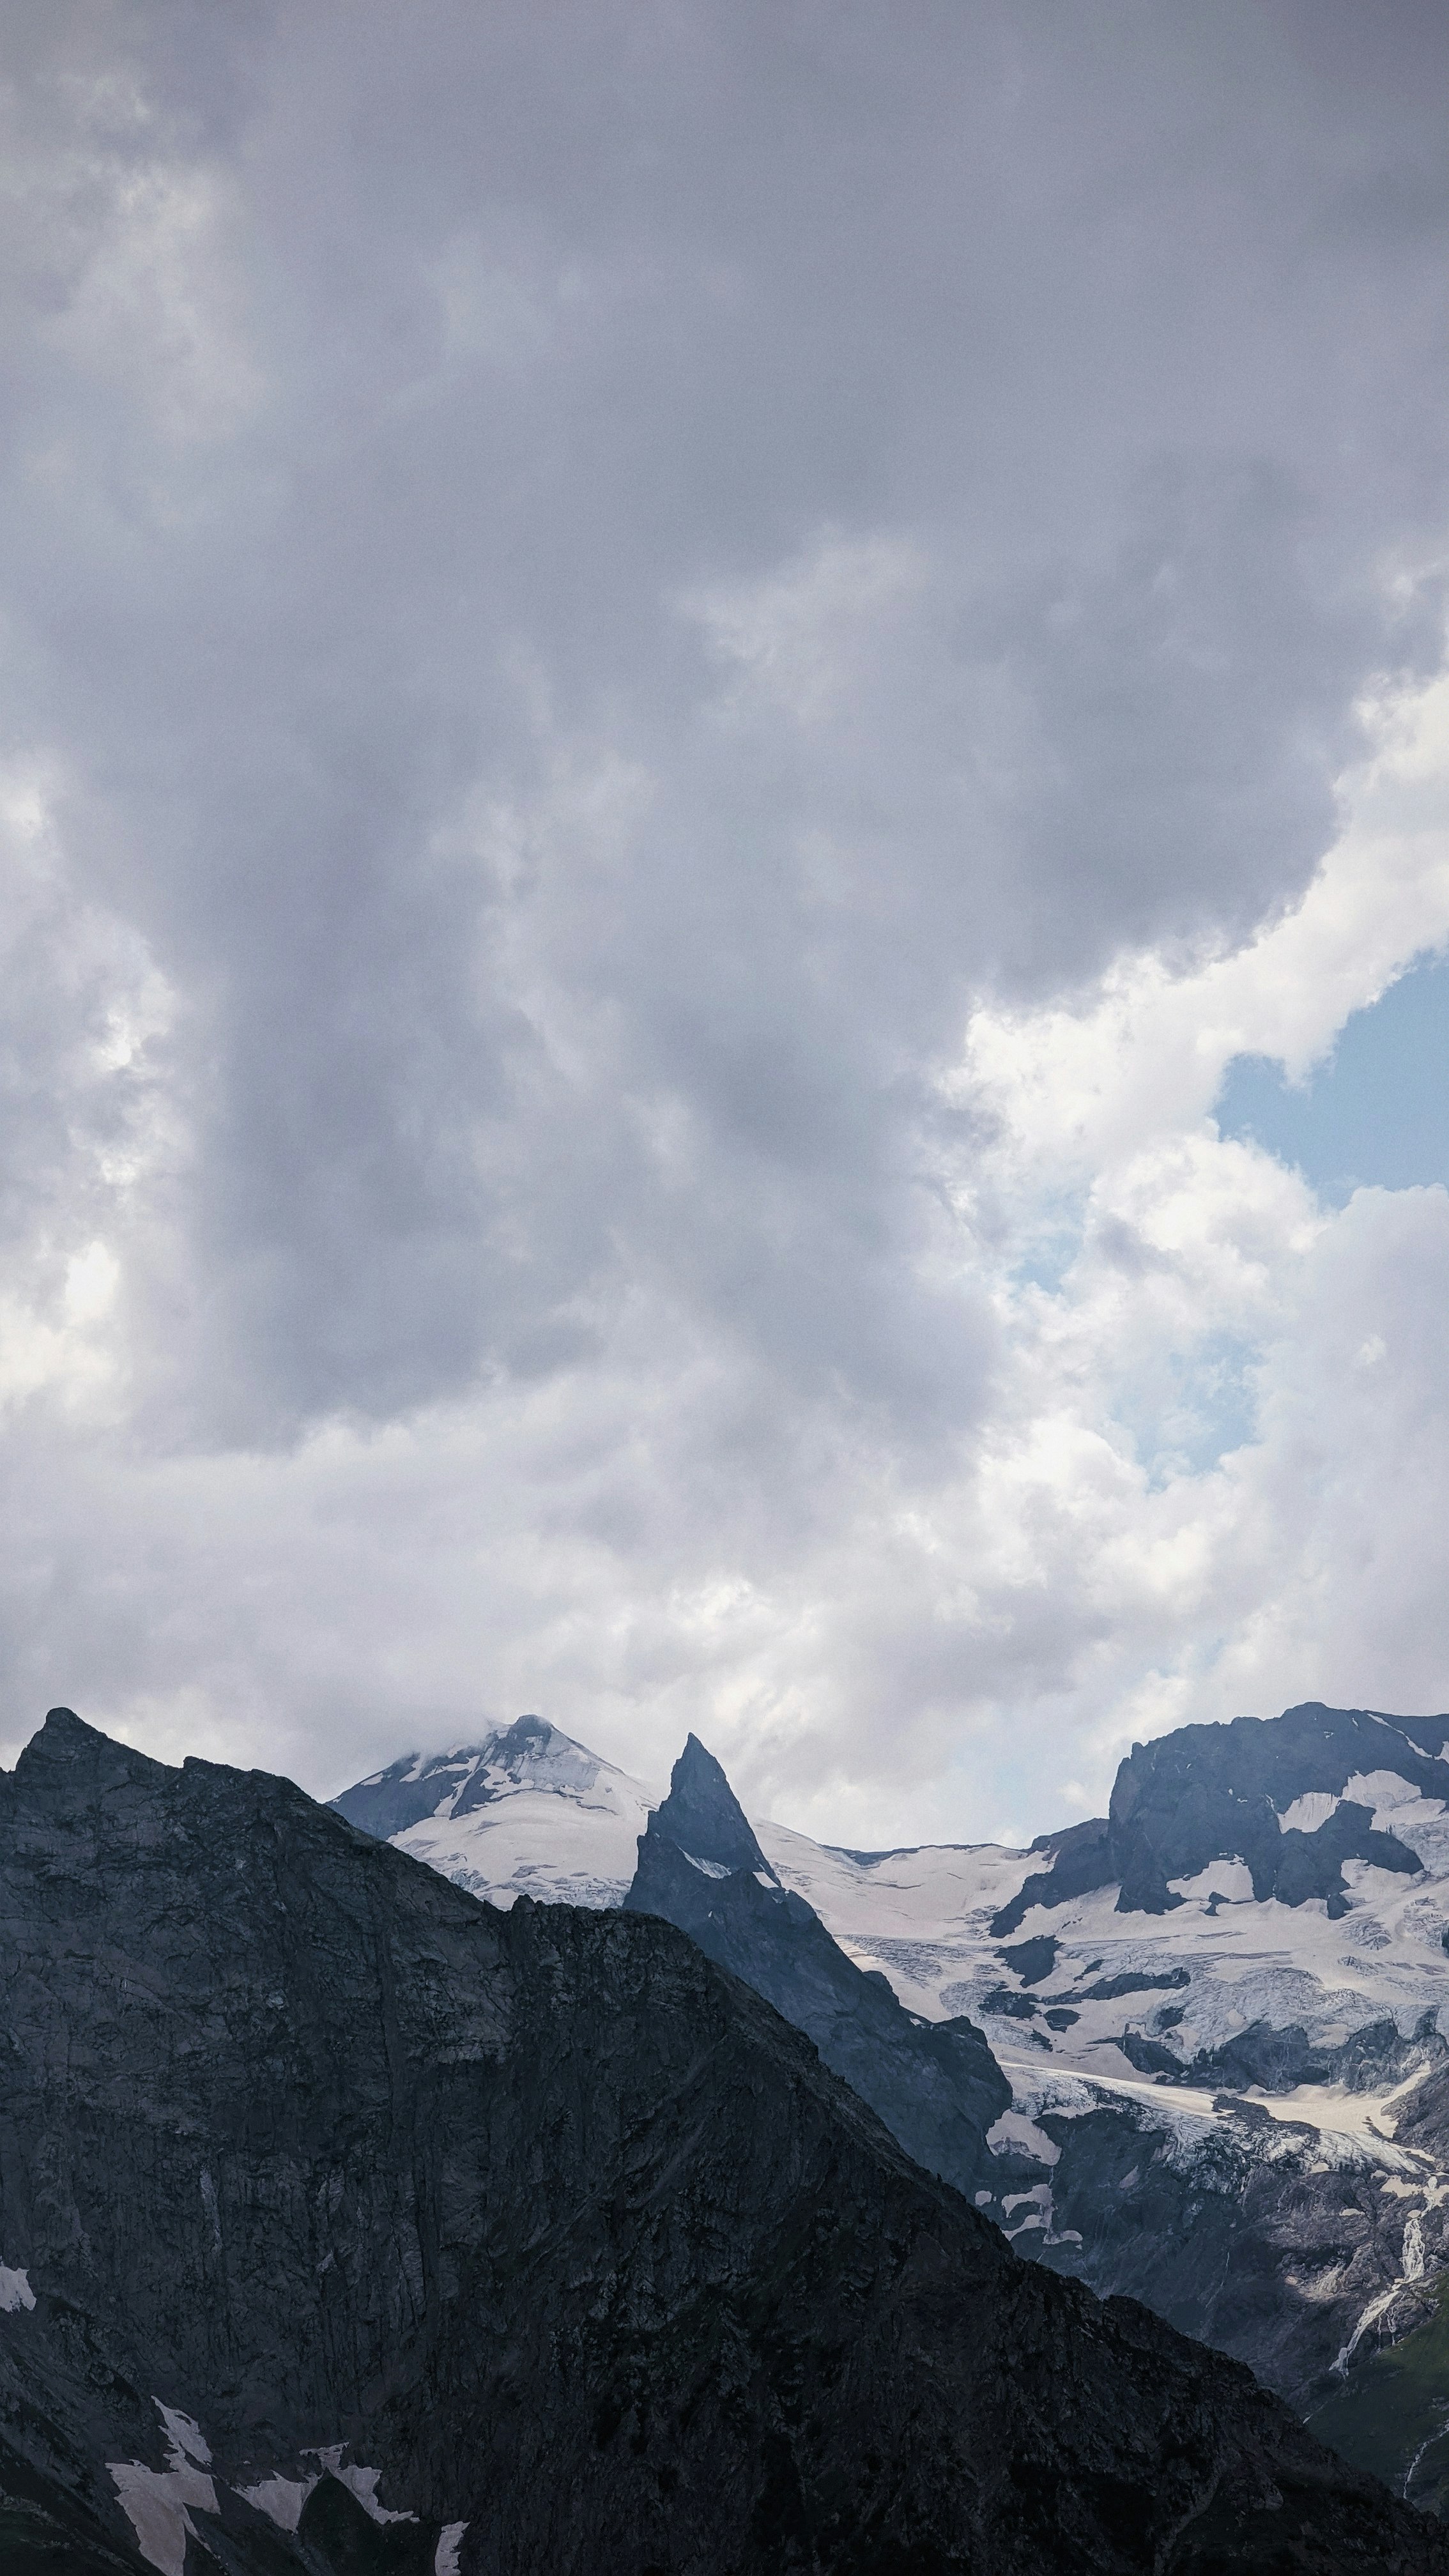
1207, 1793
348, 2225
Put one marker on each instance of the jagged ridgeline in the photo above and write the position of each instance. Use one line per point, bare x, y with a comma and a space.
351, 2224
1208, 2075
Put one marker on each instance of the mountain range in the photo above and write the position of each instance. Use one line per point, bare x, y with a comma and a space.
1189, 2050
351, 2225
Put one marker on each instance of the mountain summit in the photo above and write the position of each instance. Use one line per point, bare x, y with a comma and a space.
1229, 2101
520, 1811
703, 1817
1236, 1792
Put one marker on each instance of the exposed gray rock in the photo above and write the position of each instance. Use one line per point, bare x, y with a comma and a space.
1208, 1793
1033, 1961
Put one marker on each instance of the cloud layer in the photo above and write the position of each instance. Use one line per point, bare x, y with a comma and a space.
677, 678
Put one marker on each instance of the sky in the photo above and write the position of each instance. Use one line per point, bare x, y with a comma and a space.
723, 763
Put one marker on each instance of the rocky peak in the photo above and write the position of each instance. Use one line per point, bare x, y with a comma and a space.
1207, 1793
703, 1816
67, 1763
524, 1741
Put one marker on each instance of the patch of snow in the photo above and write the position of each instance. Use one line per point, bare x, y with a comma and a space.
709, 1868
1230, 1879
280, 2499
445, 2561
363, 2483
1386, 1792
1040, 2217
15, 2290
942, 1894
1017, 2129
185, 2435
155, 2501
1309, 1812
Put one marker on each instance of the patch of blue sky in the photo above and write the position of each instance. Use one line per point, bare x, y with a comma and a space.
1199, 1406
1376, 1114
1054, 1242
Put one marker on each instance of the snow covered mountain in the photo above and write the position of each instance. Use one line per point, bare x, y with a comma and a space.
524, 1811
1238, 1974
1305, 1921
1217, 2009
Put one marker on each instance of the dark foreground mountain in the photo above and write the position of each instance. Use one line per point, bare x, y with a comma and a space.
351, 2226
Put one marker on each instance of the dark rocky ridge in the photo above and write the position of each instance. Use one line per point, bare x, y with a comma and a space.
935, 2084
1207, 1793
553, 2224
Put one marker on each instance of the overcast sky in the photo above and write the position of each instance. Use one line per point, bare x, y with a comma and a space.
683, 685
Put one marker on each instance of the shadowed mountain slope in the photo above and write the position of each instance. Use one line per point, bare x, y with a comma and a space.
935, 2084
328, 2193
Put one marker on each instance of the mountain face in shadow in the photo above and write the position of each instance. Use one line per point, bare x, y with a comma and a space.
936, 2085
349, 2226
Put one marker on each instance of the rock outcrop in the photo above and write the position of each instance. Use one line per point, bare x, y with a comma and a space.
1207, 1793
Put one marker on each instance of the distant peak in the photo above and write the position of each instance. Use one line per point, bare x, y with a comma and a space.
86, 1754
702, 1814
66, 1738
523, 1732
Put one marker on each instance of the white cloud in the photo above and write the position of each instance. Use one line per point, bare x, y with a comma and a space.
1143, 1054
1209, 1473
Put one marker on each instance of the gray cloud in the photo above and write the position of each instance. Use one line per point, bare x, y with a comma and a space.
588, 577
